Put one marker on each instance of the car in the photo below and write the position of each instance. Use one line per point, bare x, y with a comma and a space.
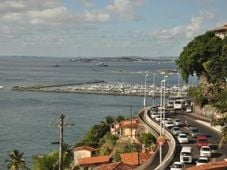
178, 122
157, 118
188, 109
176, 130
169, 124
154, 114
205, 151
202, 140
177, 166
182, 138
202, 160
186, 154
194, 132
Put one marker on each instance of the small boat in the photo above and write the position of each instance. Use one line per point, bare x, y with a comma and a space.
101, 64
1, 87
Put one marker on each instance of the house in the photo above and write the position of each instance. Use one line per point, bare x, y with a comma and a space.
221, 31
134, 158
82, 152
93, 162
126, 128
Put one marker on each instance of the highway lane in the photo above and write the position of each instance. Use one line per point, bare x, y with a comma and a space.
213, 137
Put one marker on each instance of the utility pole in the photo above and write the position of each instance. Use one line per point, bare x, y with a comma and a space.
61, 141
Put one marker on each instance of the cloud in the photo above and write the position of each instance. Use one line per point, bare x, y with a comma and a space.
126, 9
54, 12
193, 28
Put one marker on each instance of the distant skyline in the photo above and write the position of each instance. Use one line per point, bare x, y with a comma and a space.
102, 28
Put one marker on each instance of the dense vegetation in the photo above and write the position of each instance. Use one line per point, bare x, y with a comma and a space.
206, 56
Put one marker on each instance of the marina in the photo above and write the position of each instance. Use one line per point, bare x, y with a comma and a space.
106, 88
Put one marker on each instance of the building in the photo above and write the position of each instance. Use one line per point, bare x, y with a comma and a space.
116, 166
126, 128
221, 31
134, 158
93, 162
82, 152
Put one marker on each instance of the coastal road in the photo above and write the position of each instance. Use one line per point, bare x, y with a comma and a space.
213, 136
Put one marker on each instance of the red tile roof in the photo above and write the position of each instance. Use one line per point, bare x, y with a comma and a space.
134, 158
134, 123
94, 160
84, 148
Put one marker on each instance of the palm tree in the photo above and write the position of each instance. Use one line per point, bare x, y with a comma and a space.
16, 161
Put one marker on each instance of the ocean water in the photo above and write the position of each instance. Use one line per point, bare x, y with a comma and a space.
28, 120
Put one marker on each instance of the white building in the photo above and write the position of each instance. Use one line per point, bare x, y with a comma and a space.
82, 152
221, 31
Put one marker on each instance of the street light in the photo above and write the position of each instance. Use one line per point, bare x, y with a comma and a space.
164, 98
145, 90
153, 102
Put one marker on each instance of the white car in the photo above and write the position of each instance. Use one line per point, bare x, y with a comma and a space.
178, 122
177, 166
157, 118
182, 138
205, 151
188, 109
202, 160
176, 130
154, 114
169, 124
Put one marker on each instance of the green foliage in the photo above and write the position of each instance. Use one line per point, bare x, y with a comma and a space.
221, 100
223, 123
147, 139
16, 161
51, 160
204, 56
197, 96
107, 143
96, 132
123, 148
46, 162
120, 118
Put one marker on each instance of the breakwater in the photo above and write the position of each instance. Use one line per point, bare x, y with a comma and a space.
104, 88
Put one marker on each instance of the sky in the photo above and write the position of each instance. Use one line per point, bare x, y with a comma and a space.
105, 28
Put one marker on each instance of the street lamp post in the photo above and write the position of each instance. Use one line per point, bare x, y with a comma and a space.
153, 102
164, 98
145, 91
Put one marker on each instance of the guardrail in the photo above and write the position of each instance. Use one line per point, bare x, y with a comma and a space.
155, 130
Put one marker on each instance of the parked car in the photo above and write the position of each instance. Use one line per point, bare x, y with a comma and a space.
202, 160
177, 166
175, 130
205, 151
182, 138
202, 141
194, 132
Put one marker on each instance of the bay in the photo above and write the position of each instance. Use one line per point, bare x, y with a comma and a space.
28, 120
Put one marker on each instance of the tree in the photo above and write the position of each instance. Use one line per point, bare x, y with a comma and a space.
120, 118
16, 161
197, 57
46, 162
147, 139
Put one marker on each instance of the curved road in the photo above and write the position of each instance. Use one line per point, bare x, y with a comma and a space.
213, 136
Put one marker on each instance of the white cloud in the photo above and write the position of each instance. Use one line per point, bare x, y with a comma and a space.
190, 30
126, 9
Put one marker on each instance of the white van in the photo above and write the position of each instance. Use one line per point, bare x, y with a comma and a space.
179, 104
186, 155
